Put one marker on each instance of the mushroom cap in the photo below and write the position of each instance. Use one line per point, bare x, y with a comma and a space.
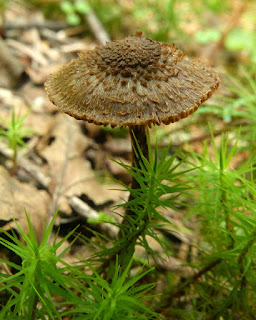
133, 81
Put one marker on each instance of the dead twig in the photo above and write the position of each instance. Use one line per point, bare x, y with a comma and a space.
97, 28
86, 211
53, 25
32, 53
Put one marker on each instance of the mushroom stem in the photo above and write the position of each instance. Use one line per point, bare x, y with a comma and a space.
138, 139
139, 146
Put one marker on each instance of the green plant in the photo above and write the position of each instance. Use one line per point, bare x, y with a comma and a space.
242, 103
103, 217
31, 287
38, 279
238, 107
216, 5
15, 134
73, 10
240, 39
224, 207
237, 40
118, 299
159, 185
165, 18
208, 35
218, 179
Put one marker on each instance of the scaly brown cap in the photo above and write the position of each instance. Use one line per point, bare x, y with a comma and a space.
134, 81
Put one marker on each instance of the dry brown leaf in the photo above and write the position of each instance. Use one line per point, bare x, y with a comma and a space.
71, 173
16, 198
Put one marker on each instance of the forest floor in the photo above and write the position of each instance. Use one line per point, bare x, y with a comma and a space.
67, 164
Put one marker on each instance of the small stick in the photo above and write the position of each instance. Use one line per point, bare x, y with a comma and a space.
97, 28
53, 25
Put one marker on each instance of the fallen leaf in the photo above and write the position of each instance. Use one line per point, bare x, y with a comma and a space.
71, 172
16, 198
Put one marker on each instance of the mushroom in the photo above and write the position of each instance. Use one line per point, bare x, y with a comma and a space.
133, 82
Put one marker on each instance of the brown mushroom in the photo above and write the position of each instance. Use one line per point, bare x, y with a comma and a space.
134, 82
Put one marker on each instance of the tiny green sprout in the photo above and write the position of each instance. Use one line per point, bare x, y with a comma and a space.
103, 217
15, 134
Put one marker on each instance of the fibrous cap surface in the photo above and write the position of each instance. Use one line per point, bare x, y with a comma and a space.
134, 81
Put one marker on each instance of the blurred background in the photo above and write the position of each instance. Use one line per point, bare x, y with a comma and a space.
221, 31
